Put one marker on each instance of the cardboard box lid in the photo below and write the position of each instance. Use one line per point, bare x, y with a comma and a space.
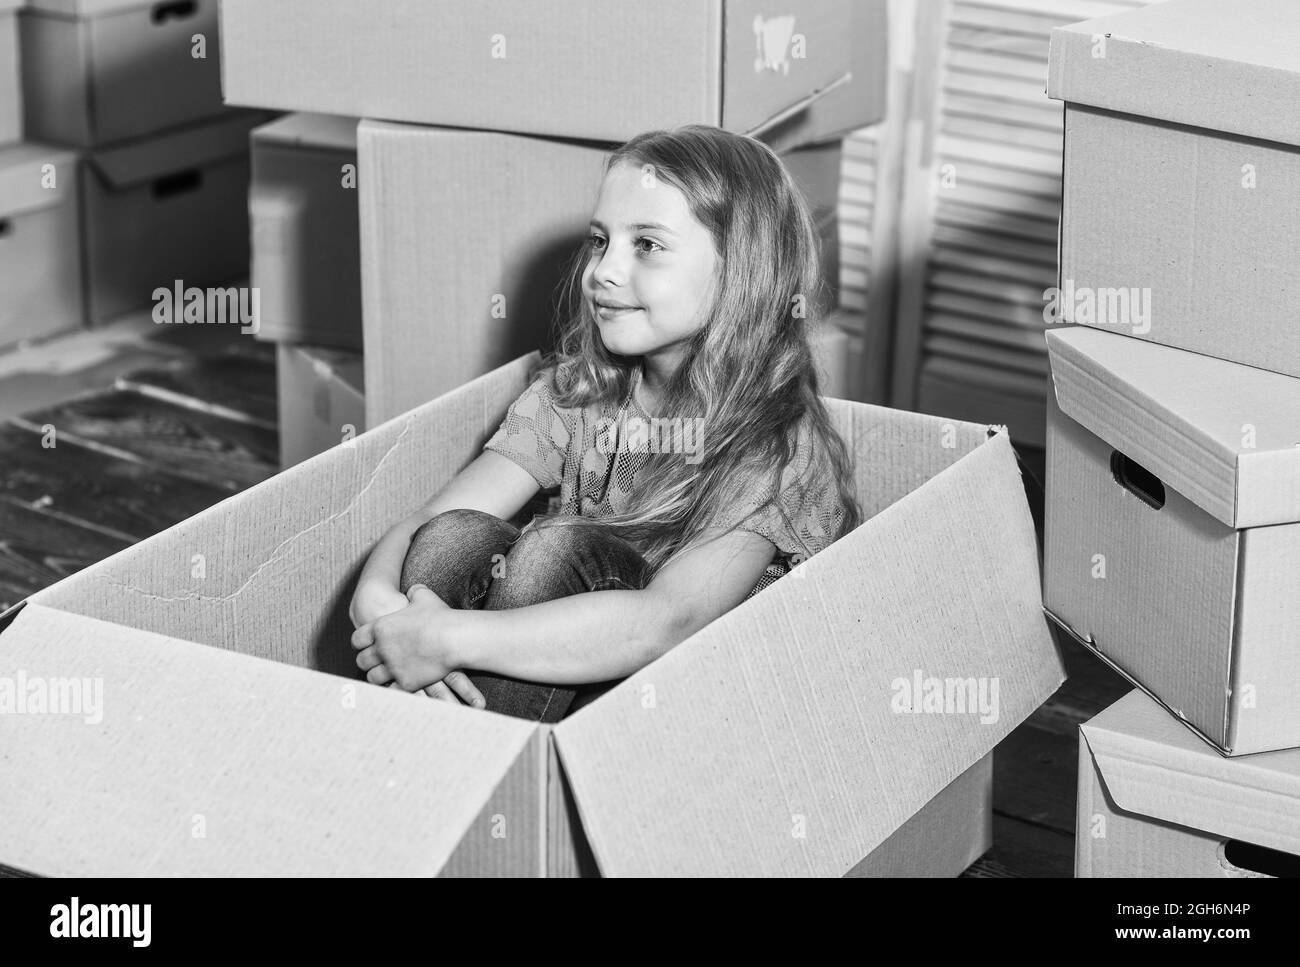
8, 6
179, 150
310, 131
81, 9
285, 770
770, 742
21, 174
1153, 766
1233, 67
1224, 435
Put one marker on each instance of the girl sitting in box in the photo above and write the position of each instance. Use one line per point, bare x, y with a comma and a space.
680, 418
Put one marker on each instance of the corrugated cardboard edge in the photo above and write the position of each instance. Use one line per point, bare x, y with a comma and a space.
179, 731
633, 822
1150, 767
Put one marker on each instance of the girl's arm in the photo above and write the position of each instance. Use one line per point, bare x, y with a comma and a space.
603, 635
492, 483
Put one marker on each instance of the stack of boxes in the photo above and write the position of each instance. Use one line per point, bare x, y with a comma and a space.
1173, 517
479, 156
146, 185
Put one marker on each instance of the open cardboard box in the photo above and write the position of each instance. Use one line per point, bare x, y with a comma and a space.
773, 741
566, 68
1182, 167
1155, 801
1173, 529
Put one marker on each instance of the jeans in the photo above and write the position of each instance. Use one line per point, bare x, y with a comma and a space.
473, 560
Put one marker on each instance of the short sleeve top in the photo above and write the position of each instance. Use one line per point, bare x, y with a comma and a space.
563, 446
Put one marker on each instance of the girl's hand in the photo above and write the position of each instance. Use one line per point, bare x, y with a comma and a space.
372, 601
410, 647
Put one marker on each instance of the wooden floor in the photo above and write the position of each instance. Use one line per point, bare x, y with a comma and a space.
154, 423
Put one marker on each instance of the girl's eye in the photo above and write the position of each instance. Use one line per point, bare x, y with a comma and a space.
595, 241
650, 241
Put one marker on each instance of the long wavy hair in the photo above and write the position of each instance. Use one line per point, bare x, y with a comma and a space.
748, 370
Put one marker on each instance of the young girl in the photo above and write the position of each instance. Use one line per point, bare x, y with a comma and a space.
680, 417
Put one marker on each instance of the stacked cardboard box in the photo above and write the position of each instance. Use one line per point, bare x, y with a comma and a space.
1173, 519
160, 168
234, 732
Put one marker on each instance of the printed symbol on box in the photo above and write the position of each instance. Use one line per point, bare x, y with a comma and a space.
772, 38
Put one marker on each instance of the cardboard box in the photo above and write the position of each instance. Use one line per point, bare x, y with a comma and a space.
805, 765
1181, 174
40, 242
1172, 545
1154, 801
511, 66
306, 234
11, 104
97, 72
322, 400
166, 209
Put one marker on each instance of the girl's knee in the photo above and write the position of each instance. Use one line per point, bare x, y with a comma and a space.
456, 522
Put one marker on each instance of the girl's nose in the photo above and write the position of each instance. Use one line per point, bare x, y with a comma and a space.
611, 266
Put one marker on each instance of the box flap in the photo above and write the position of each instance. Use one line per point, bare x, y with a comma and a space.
22, 171
1233, 67
310, 131
780, 739
8, 6
1224, 435
1155, 767
178, 759
270, 571
180, 150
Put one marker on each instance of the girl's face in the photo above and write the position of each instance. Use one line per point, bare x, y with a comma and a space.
651, 267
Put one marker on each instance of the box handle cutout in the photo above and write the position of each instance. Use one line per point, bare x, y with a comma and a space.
1260, 859
6, 227
1137, 480
173, 10
180, 183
